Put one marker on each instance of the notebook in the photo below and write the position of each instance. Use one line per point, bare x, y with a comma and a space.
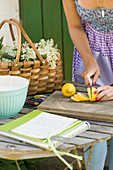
35, 126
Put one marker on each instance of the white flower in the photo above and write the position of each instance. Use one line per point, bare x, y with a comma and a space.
55, 57
36, 45
53, 64
24, 50
42, 43
46, 48
52, 42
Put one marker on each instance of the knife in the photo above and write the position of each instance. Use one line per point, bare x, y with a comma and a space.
92, 85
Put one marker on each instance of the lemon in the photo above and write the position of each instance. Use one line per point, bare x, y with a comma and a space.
68, 89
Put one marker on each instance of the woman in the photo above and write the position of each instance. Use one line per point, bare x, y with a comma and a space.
90, 24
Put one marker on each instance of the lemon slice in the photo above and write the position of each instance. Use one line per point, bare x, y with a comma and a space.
94, 95
81, 97
89, 93
75, 99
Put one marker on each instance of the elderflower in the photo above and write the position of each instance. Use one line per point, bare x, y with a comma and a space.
27, 52
48, 51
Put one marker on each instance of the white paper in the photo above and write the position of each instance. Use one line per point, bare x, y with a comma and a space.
43, 124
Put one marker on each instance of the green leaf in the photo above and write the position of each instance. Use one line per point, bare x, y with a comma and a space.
7, 56
1, 43
44, 56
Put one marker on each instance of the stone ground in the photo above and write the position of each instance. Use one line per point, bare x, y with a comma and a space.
54, 163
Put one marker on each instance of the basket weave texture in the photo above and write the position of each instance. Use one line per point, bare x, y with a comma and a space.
42, 77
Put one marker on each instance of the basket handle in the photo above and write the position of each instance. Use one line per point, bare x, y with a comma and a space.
28, 39
11, 31
19, 37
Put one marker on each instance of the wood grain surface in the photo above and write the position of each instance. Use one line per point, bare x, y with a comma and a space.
59, 104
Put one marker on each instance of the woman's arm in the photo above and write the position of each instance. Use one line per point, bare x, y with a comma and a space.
80, 41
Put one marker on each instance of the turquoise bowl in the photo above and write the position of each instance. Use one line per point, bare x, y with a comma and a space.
13, 93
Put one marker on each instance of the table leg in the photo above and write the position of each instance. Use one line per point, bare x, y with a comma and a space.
89, 158
18, 167
79, 163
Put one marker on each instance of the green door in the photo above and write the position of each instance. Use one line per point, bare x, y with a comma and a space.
46, 19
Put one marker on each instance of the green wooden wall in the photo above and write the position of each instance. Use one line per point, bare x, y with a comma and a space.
46, 19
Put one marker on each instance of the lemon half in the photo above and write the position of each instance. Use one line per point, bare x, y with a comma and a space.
68, 89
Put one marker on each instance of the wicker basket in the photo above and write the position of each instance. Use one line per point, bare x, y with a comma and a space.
42, 77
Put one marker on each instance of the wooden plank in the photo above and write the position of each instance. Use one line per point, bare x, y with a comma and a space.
101, 128
32, 18
108, 124
95, 135
59, 104
17, 152
68, 49
14, 141
52, 21
11, 142
77, 141
78, 115
89, 137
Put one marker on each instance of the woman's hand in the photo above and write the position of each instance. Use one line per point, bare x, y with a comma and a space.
91, 70
105, 93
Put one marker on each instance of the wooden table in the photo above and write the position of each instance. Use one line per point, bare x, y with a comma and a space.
16, 150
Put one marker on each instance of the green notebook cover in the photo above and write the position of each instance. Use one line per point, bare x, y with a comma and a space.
70, 131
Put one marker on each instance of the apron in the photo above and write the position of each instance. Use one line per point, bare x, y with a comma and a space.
106, 74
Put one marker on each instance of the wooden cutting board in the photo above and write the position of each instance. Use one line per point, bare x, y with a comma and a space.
59, 104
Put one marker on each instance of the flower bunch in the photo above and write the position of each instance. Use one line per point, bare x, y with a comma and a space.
46, 49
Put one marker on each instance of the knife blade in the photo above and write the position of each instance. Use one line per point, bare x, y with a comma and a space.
92, 85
